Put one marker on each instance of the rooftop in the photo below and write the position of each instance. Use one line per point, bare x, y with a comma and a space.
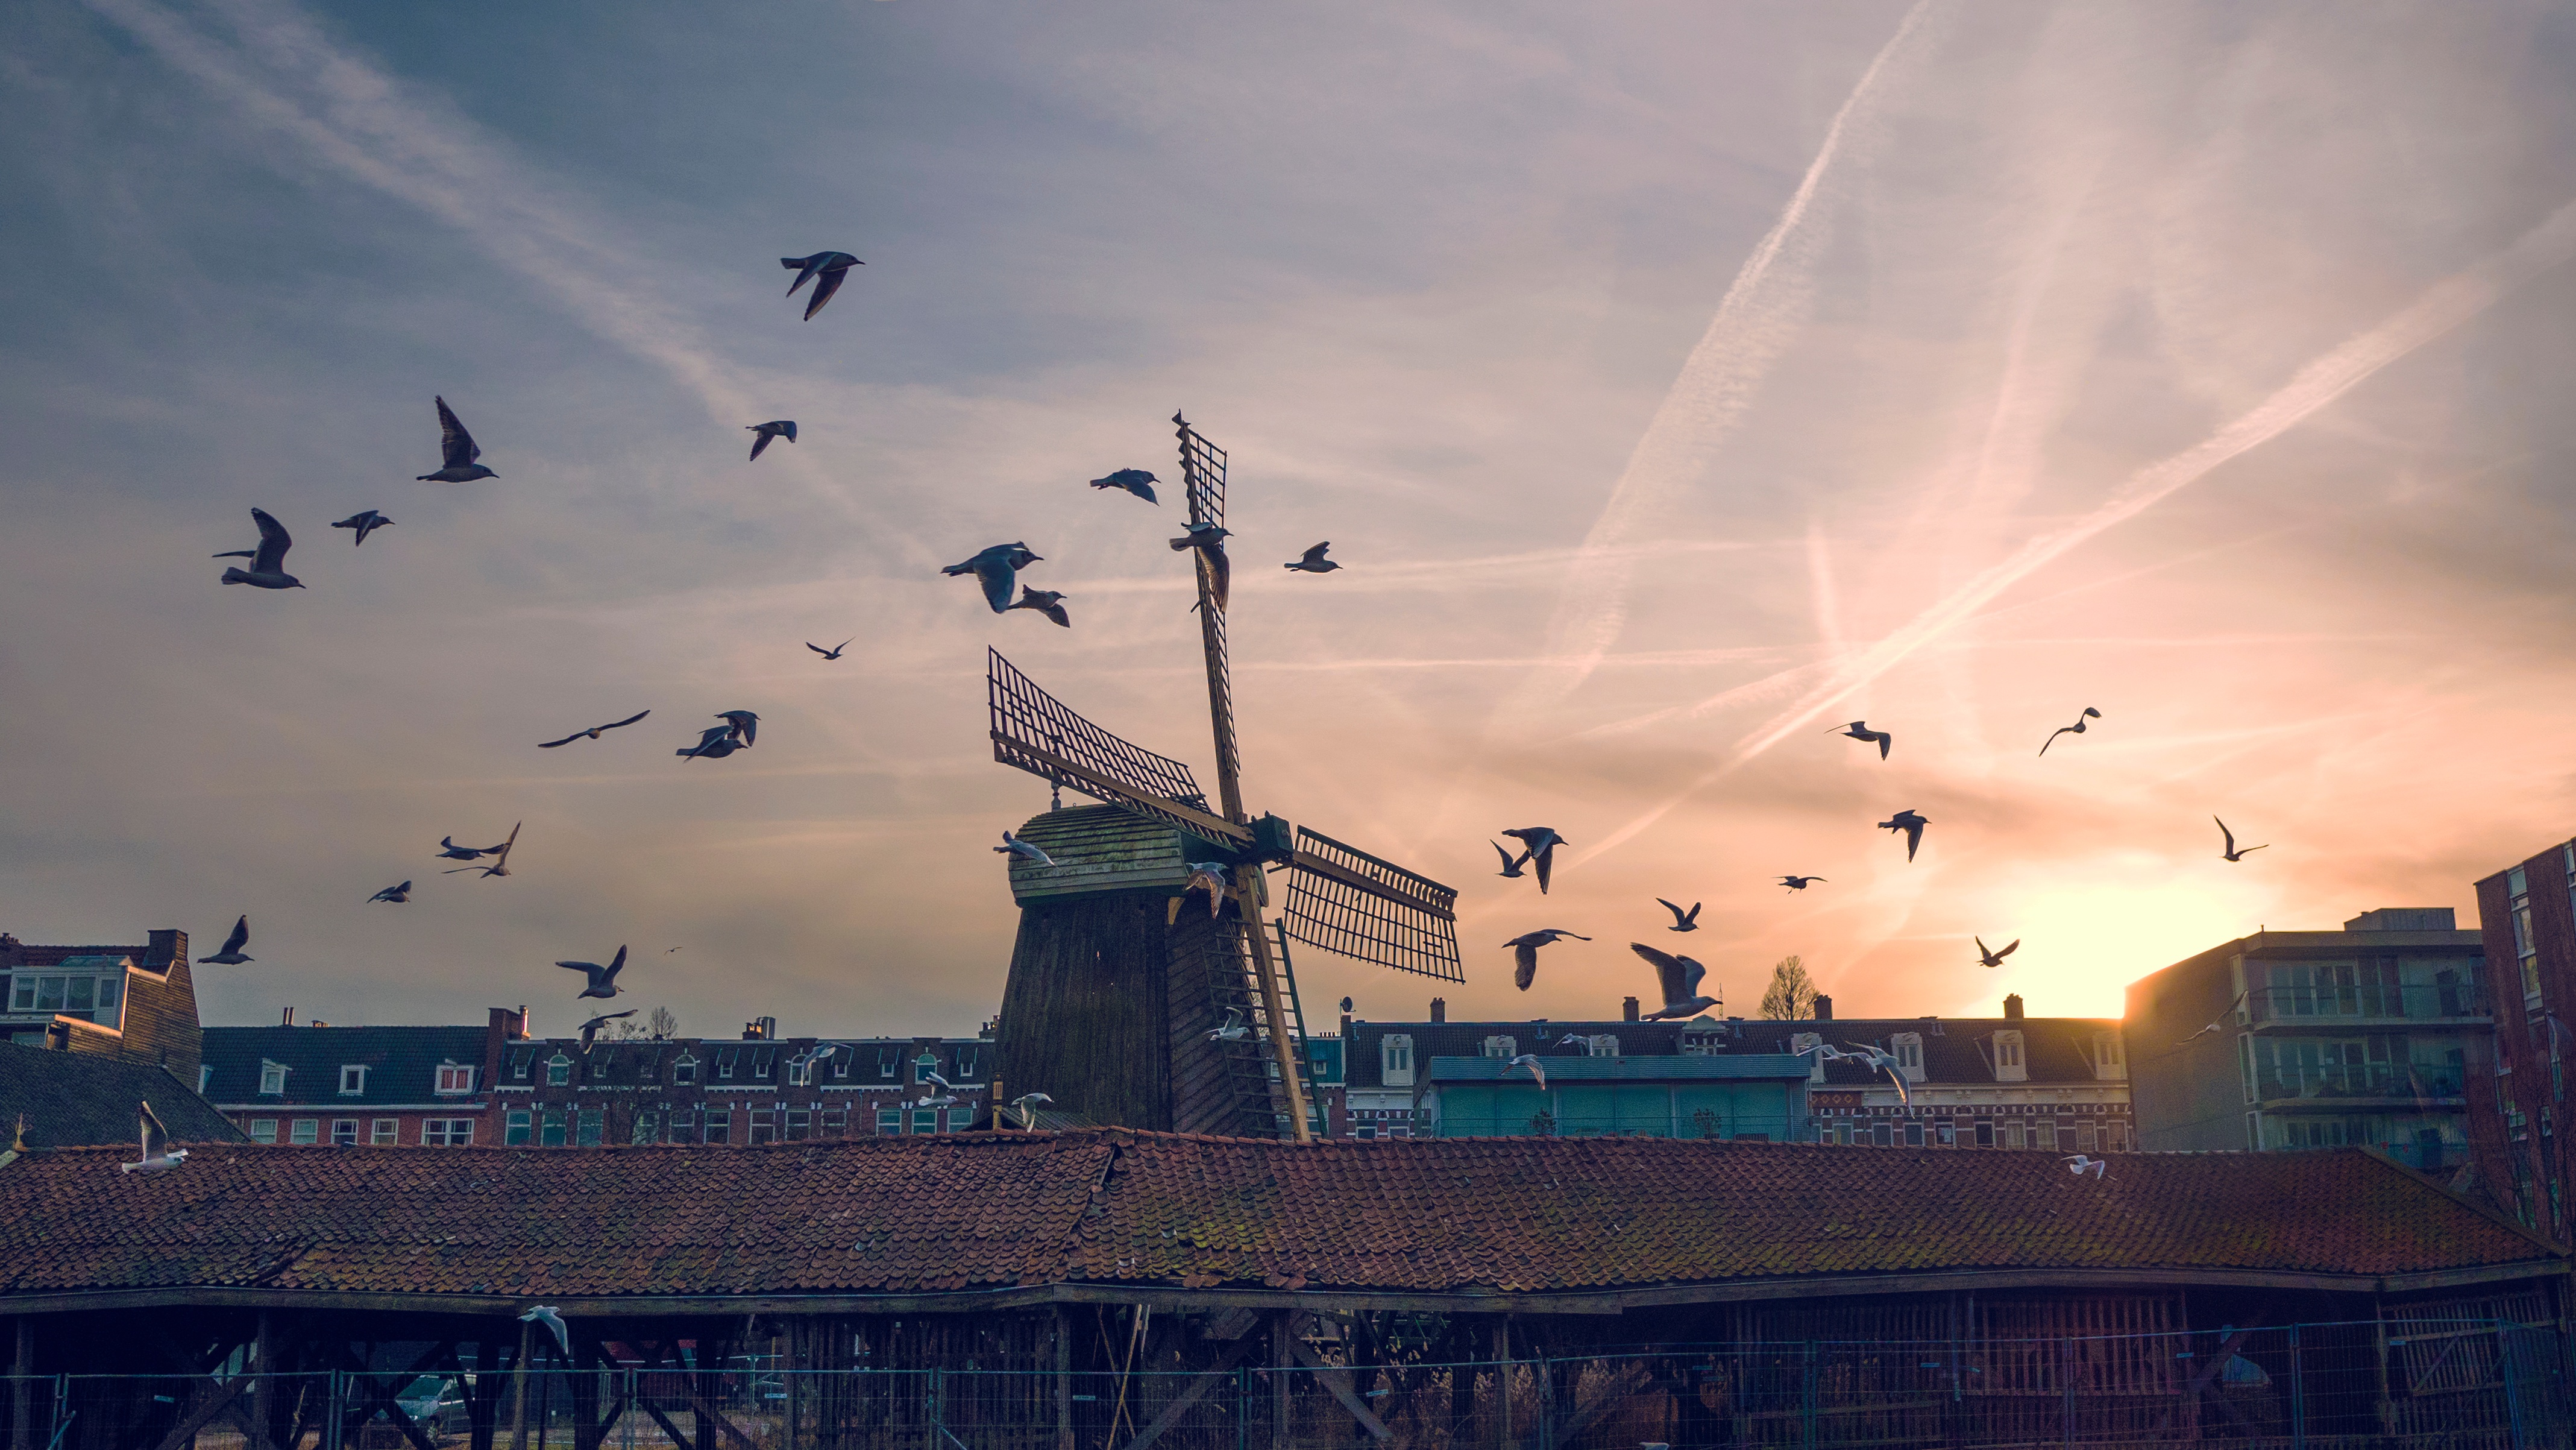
79, 1098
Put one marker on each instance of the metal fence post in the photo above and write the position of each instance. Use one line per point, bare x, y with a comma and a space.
1807, 1397
2298, 1396
337, 1436
1243, 1407
634, 1407
56, 1422
2066, 1388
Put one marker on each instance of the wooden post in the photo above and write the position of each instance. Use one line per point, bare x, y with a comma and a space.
22, 1389
1274, 1004
1502, 1384
1063, 1381
519, 1387
263, 1391
1280, 1363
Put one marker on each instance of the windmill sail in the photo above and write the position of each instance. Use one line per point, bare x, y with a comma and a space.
1040, 734
1343, 900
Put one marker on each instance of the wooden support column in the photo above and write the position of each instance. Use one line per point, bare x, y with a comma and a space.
1502, 1384
519, 1387
22, 1389
1279, 1369
263, 1392
1063, 1380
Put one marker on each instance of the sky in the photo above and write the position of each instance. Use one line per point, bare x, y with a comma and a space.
1674, 382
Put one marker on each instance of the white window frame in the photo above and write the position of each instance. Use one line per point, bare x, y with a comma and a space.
2012, 1060
272, 1078
558, 1070
1907, 1048
353, 1079
1603, 1044
385, 1132
684, 1070
1503, 1047
1395, 1059
304, 1132
445, 1132
263, 1130
2110, 1057
455, 1079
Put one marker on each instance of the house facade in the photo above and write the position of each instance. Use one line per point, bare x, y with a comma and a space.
2288, 1040
322, 1086
134, 1002
2519, 1091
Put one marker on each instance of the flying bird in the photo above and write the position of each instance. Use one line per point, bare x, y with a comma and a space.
500, 856
1530, 1062
449, 850
1859, 730
1045, 601
763, 432
1525, 953
1135, 480
456, 451
997, 569
1679, 978
744, 724
1576, 1039
1235, 1029
157, 1152
590, 1029
2219, 1025
1989, 957
2231, 852
396, 894
366, 522
1881, 1060
1682, 920
2075, 729
1027, 1103
830, 654
1511, 863
1799, 883
1911, 824
2079, 1165
715, 743
231, 955
1209, 540
545, 1314
267, 562
593, 732
1541, 842
1211, 877
1015, 847
603, 980
832, 267
1314, 561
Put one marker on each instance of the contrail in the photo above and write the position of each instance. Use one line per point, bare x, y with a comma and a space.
2444, 306
1761, 311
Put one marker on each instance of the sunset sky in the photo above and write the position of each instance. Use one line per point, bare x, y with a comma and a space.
1674, 382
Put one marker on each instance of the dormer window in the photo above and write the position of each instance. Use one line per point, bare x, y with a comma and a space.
760, 1064
353, 1080
1602, 1044
1701, 1044
205, 1078
455, 1078
558, 1070
1803, 1043
685, 1071
1501, 1047
519, 1063
272, 1078
724, 1062
1908, 1050
965, 1063
1395, 1059
599, 1063
924, 1068
2110, 1059
841, 1062
2009, 1066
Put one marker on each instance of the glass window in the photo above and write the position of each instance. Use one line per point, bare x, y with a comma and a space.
1882, 1134
719, 1127
514, 1127
263, 1130
925, 1067
519, 1064
1985, 1135
353, 1079
1501, 1047
109, 989
272, 1078
841, 1062
1395, 1059
647, 1125
2048, 1135
800, 1125
764, 1125
2108, 1052
455, 1077
447, 1133
590, 1127
836, 1123
558, 1070
2015, 1136
760, 1064
550, 1128
205, 1078
1909, 1052
2087, 1140
724, 1063
305, 1130
965, 1063
925, 1120
889, 1121
961, 1118
685, 1071
344, 1132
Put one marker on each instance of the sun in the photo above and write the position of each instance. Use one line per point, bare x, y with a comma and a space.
2082, 945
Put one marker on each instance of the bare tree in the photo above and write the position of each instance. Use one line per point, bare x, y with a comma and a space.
1791, 997
662, 1024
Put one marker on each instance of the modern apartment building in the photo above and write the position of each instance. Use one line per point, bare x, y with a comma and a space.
2520, 1089
2316, 1039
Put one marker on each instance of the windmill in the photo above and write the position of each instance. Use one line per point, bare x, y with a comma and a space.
1120, 975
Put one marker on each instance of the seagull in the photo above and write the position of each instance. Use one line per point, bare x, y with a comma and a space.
1045, 601
1881, 1060
2220, 1025
1511, 864
1576, 1039
1014, 846
1859, 730
1799, 883
456, 451
1209, 540
832, 267
1314, 561
830, 654
449, 850
1911, 824
997, 568
715, 743
1027, 1103
744, 724
1209, 876
396, 894
593, 732
1682, 920
365, 522
590, 1029
763, 432
939, 1082
1528, 1061
2231, 853
1135, 480
267, 562
231, 955
2079, 1165
1234, 1030
157, 1152
1989, 957
1525, 953
500, 856
2075, 729
1679, 977
545, 1314
603, 980
1542, 842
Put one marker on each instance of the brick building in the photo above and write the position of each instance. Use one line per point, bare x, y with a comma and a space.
2530, 977
319, 1085
134, 1002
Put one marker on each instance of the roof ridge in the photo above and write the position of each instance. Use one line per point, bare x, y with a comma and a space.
2389, 1160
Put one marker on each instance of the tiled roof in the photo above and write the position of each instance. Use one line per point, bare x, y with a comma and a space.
1120, 1208
1728, 1067
80, 1098
402, 1063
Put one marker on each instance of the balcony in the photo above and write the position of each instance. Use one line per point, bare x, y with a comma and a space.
2361, 1085
2350, 1003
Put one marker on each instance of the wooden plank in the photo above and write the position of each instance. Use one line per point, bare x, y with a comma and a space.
1338, 1379
1215, 828
1333, 871
1190, 1393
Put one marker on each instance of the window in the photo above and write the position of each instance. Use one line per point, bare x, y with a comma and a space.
684, 1127
590, 1125
764, 1125
887, 1061
1602, 1044
1501, 1046
800, 1125
760, 1064
1395, 1059
2110, 1058
2048, 1135
1364, 1132
724, 1062
558, 1070
600, 1060
87, 996
961, 1118
353, 1080
447, 1132
205, 1078
924, 1068
1914, 1135
965, 1064
454, 1078
647, 1127
272, 1078
2015, 1135
841, 1063
2008, 1060
385, 1132
519, 1061
1908, 1049
263, 1130
550, 1128
514, 1127
1985, 1134
719, 1127
2086, 1139
836, 1123
925, 1120
889, 1122
305, 1130
685, 1071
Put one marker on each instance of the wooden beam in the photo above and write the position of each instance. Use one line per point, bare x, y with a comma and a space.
1627, 1382
707, 1415
1334, 870
204, 1411
1190, 1393
1189, 817
1336, 1378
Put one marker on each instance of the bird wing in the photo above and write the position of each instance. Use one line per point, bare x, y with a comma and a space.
993, 569
240, 936
1904, 1094
804, 268
2052, 737
156, 1139
1056, 613
824, 286
455, 445
759, 442
2228, 834
1524, 964
818, 649
274, 541
748, 723
1670, 971
1678, 917
1913, 837
2009, 950
567, 740
629, 720
1885, 740
1315, 555
616, 964
1544, 857
503, 851
1143, 488
1509, 865
1220, 572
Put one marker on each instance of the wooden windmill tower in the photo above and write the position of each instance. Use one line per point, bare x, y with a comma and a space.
1117, 979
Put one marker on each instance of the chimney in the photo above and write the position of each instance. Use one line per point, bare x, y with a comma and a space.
760, 1029
288, 1020
2012, 1007
1439, 1009
1824, 1008
523, 1019
1627, 1009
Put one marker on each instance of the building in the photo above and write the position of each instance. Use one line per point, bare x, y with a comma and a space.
2315, 1039
2530, 940
54, 1099
2007, 1082
318, 1085
134, 1002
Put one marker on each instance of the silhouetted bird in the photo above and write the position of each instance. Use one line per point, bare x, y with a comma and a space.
830, 654
396, 894
1314, 561
603, 980
2075, 729
456, 449
1859, 730
1541, 843
1525, 953
2217, 1025
1799, 883
501, 856
593, 732
366, 522
1135, 480
763, 432
449, 850
1911, 824
231, 955
1511, 863
1209, 540
1679, 979
714, 743
997, 569
2230, 851
590, 1029
1014, 846
1045, 601
1989, 957
1682, 920
267, 562
832, 267
745, 725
